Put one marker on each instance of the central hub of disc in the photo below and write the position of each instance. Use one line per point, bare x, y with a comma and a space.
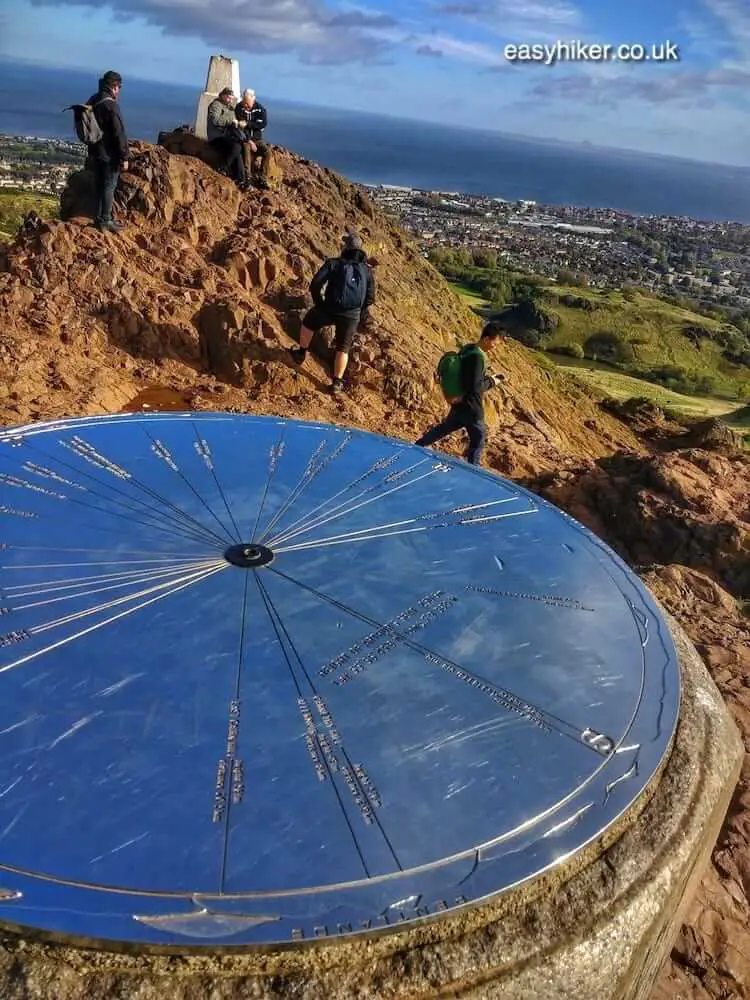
248, 556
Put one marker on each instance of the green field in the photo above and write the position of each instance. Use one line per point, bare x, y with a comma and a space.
653, 330
471, 298
14, 205
616, 385
619, 386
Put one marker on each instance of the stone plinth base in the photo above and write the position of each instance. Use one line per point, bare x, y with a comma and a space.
599, 927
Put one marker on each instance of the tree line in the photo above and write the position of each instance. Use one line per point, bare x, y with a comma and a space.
478, 269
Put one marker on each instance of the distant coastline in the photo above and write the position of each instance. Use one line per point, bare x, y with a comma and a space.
374, 149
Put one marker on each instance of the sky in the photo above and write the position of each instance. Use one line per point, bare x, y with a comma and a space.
436, 60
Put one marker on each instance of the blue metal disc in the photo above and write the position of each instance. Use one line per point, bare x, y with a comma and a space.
265, 681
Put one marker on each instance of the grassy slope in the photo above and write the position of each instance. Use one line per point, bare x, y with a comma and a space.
618, 386
15, 204
642, 317
471, 298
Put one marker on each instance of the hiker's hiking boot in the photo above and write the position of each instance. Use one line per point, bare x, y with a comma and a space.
108, 226
337, 387
298, 354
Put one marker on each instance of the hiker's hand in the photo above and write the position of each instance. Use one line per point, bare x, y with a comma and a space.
497, 379
253, 147
125, 164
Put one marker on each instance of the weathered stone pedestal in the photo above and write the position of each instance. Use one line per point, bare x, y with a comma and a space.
598, 926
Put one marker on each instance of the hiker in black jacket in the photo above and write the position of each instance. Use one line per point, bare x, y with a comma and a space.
349, 292
467, 410
253, 115
110, 155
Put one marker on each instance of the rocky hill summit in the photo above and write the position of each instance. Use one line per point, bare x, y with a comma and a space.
195, 303
205, 287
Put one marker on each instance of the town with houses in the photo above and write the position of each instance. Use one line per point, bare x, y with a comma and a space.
43, 165
709, 261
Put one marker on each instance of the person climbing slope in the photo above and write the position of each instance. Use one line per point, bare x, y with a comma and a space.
343, 291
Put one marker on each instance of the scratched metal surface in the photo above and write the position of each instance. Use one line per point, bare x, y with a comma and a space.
439, 687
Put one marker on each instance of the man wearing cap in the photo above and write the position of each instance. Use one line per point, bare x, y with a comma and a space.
254, 117
109, 155
349, 292
467, 410
225, 135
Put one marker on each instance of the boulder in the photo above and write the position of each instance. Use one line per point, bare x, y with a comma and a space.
219, 327
184, 143
78, 198
713, 435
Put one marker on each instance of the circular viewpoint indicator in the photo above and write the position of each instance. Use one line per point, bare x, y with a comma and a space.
264, 681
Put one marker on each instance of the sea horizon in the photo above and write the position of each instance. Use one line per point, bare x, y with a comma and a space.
374, 149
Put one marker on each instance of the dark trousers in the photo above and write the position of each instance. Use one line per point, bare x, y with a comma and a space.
106, 176
460, 417
230, 150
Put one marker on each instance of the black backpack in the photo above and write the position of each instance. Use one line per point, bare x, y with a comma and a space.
347, 286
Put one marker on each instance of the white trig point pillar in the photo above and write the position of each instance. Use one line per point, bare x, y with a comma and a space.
222, 72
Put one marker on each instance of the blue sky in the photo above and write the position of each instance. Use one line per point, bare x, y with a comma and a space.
437, 60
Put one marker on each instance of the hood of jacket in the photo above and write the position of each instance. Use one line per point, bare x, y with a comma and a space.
358, 256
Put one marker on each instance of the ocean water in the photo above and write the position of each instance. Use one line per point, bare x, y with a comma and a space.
378, 150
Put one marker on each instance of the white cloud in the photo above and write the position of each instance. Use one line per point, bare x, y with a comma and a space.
475, 52
733, 16
676, 88
415, 38
516, 20
313, 29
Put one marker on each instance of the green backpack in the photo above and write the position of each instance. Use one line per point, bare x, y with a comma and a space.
449, 371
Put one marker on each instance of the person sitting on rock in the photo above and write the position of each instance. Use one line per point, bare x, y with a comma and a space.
254, 117
466, 396
349, 292
226, 136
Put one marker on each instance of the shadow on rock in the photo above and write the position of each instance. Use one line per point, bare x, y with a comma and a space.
688, 507
132, 332
238, 347
78, 198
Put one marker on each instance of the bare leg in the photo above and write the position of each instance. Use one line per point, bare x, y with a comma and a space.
340, 361
305, 336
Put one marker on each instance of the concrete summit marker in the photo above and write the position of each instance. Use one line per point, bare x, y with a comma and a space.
222, 72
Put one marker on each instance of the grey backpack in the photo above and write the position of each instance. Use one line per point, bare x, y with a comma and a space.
87, 128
